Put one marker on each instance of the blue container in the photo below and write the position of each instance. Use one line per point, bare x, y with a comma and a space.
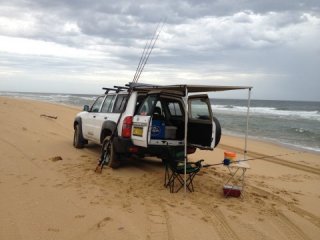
158, 129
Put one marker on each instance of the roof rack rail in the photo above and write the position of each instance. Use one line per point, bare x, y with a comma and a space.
109, 89
115, 88
132, 84
119, 88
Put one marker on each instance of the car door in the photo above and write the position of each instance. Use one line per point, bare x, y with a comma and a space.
103, 115
141, 121
201, 127
89, 121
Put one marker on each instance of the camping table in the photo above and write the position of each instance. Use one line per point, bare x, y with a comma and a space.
235, 184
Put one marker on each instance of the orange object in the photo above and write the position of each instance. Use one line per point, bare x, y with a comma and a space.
230, 155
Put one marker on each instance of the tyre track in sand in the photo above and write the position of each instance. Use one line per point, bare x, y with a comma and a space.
303, 213
291, 231
275, 160
219, 223
158, 223
15, 147
280, 220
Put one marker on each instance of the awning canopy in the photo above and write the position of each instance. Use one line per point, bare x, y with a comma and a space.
183, 88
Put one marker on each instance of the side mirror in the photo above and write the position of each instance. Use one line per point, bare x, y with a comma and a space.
86, 108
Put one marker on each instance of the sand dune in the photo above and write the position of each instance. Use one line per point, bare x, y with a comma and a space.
49, 190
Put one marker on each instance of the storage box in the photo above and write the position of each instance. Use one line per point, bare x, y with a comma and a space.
232, 191
170, 132
157, 129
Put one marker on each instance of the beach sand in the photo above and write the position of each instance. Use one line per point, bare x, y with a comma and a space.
49, 190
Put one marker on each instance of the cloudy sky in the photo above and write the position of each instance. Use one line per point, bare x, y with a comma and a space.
71, 46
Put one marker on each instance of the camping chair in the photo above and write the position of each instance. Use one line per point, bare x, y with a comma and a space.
174, 174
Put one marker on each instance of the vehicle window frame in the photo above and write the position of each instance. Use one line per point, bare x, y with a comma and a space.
174, 101
123, 103
191, 107
110, 104
95, 102
151, 105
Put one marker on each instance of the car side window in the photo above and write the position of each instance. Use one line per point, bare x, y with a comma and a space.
120, 103
147, 106
175, 109
107, 105
199, 109
97, 104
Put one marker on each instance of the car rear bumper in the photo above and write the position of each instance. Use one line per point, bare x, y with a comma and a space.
125, 146
122, 145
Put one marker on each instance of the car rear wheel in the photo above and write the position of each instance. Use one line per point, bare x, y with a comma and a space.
108, 154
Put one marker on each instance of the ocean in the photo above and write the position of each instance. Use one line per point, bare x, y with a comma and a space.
292, 123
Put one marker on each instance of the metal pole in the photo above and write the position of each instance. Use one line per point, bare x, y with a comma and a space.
247, 128
185, 139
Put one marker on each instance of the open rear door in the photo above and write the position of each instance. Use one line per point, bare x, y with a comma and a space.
141, 122
201, 127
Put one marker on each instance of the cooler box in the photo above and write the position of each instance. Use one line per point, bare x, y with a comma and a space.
170, 132
232, 191
157, 129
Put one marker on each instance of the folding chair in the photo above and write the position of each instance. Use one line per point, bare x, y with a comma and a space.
174, 174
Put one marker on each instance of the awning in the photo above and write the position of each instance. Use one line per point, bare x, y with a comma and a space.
183, 88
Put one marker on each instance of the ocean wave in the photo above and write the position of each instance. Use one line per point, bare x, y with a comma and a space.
271, 111
292, 144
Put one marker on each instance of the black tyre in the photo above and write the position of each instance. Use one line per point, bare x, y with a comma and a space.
108, 154
78, 140
218, 131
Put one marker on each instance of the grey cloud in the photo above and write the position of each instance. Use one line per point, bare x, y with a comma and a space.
270, 40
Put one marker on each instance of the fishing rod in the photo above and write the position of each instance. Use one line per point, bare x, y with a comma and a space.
148, 54
224, 162
104, 158
144, 53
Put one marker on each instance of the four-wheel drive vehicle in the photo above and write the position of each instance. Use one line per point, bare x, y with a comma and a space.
152, 122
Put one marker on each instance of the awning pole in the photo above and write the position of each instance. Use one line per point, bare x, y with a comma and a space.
247, 128
185, 139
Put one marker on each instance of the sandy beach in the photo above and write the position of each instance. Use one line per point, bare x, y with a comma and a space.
49, 190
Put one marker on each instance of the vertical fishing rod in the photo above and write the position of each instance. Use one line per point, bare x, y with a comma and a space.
145, 50
148, 54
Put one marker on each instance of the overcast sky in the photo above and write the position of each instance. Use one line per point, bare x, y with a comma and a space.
70, 46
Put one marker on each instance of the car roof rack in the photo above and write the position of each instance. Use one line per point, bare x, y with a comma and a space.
109, 89
119, 88
115, 88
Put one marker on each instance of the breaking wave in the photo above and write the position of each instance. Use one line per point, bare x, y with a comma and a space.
267, 111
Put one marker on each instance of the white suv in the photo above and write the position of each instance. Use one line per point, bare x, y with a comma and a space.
152, 122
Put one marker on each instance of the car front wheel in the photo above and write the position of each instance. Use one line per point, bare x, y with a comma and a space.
78, 141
